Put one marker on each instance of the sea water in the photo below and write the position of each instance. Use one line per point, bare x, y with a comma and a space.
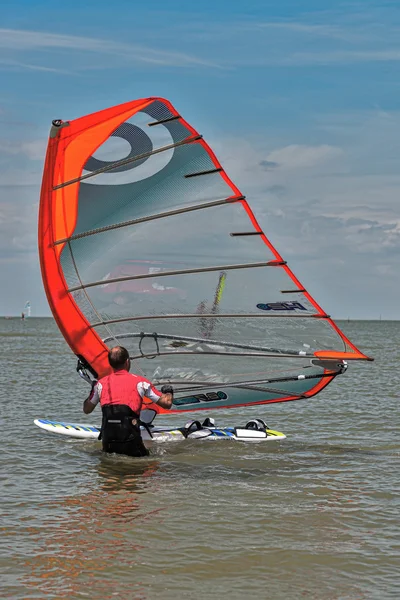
315, 516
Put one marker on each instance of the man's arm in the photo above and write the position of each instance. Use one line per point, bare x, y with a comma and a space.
163, 398
92, 400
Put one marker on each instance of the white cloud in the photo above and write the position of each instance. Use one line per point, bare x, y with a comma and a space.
332, 211
32, 149
35, 149
29, 41
18, 221
338, 57
335, 37
20, 178
320, 38
297, 156
306, 28
17, 65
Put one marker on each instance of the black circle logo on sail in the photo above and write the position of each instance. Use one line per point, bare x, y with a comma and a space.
139, 142
131, 139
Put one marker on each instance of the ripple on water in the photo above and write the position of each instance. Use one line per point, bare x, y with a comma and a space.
315, 516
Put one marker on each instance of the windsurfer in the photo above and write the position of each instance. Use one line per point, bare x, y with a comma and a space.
121, 397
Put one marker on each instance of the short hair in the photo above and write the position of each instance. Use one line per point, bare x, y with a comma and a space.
117, 357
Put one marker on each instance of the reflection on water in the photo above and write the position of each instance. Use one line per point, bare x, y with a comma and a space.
78, 556
124, 473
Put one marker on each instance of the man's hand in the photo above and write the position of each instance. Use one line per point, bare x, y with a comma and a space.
165, 401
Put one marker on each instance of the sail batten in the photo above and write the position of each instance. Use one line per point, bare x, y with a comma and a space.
168, 120
154, 217
139, 224
177, 272
275, 351
209, 172
235, 355
259, 383
208, 316
243, 233
326, 356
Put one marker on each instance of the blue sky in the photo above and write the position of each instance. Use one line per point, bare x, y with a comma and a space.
299, 99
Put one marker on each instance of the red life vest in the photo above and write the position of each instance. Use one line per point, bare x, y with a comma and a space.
121, 388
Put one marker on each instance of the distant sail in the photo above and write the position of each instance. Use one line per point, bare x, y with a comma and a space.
145, 241
27, 309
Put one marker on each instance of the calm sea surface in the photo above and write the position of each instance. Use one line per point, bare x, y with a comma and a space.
315, 516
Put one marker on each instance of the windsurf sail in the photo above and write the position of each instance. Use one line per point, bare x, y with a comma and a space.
27, 310
146, 242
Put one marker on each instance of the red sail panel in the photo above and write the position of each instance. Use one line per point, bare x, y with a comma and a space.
67, 153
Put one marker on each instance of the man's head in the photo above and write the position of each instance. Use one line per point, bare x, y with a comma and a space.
118, 357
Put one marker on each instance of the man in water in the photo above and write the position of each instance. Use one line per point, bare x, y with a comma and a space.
121, 397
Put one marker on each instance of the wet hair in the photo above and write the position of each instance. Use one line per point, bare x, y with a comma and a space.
117, 357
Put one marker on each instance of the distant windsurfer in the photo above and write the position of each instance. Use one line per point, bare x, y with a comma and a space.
121, 397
